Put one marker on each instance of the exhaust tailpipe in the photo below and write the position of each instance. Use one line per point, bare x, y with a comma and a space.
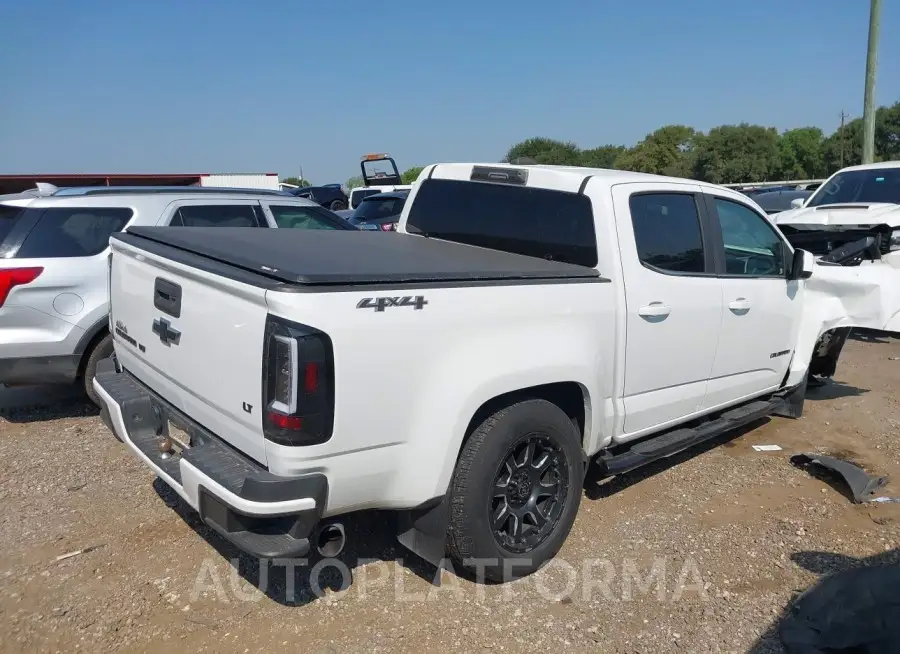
330, 540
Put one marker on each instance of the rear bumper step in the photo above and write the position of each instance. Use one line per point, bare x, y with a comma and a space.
266, 515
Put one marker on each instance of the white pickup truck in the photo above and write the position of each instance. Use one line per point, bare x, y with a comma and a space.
523, 322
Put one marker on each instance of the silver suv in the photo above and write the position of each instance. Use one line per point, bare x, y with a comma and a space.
54, 246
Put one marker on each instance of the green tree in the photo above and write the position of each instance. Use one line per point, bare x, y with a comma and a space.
604, 156
846, 142
887, 133
545, 151
296, 181
411, 174
801, 154
728, 153
667, 151
353, 182
737, 153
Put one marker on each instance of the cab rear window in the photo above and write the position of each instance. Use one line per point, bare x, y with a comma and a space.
554, 225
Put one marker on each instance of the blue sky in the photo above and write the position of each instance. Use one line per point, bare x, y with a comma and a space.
229, 86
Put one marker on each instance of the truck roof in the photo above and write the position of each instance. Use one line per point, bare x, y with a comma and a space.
567, 178
325, 257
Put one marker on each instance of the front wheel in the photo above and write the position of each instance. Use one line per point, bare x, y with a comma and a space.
515, 491
100, 351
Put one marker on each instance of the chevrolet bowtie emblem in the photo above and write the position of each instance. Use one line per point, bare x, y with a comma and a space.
163, 329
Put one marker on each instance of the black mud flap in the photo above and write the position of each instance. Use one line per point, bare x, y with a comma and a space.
862, 485
793, 401
423, 531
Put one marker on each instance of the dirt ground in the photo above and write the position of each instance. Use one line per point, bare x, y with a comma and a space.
701, 553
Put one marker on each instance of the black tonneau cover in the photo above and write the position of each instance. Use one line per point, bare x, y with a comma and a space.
317, 257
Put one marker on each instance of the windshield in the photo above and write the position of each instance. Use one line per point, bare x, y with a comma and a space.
8, 216
869, 186
373, 208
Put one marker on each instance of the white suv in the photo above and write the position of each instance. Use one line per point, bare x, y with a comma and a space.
54, 245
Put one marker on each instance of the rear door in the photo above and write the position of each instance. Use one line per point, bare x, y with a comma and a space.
214, 213
761, 312
186, 333
673, 302
379, 170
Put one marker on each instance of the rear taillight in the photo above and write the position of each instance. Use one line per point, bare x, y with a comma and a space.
12, 277
389, 227
298, 384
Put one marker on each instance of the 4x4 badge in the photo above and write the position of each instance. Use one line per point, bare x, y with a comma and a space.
163, 329
380, 303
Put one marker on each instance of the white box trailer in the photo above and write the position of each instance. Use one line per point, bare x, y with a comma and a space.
241, 180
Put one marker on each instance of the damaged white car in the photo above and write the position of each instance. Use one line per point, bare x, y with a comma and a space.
852, 225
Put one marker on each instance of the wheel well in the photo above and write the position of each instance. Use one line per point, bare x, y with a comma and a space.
568, 396
99, 336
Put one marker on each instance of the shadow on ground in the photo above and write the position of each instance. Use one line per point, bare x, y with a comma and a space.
871, 336
833, 390
853, 609
39, 403
371, 537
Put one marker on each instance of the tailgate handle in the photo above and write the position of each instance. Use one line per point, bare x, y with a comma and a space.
167, 297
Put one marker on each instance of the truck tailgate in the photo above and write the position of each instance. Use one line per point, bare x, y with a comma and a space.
184, 332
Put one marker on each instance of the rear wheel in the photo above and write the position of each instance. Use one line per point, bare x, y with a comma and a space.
101, 350
338, 205
515, 491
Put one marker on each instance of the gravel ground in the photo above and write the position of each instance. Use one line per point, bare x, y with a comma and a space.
701, 553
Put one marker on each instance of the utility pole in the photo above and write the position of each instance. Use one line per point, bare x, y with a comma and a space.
843, 116
868, 149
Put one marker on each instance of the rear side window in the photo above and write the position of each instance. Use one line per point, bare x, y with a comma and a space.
667, 232
73, 232
217, 215
294, 217
554, 225
8, 216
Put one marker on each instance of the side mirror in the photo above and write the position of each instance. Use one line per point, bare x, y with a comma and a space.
802, 265
796, 203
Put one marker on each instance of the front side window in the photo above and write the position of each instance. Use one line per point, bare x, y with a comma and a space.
73, 232
295, 217
752, 246
859, 186
667, 232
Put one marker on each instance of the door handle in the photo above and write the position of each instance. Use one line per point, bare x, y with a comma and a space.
655, 309
741, 304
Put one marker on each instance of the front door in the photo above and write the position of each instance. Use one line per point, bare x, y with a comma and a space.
673, 303
761, 306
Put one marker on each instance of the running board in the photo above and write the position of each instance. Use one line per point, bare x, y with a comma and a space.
678, 440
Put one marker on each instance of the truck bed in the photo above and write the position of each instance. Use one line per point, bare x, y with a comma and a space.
323, 257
